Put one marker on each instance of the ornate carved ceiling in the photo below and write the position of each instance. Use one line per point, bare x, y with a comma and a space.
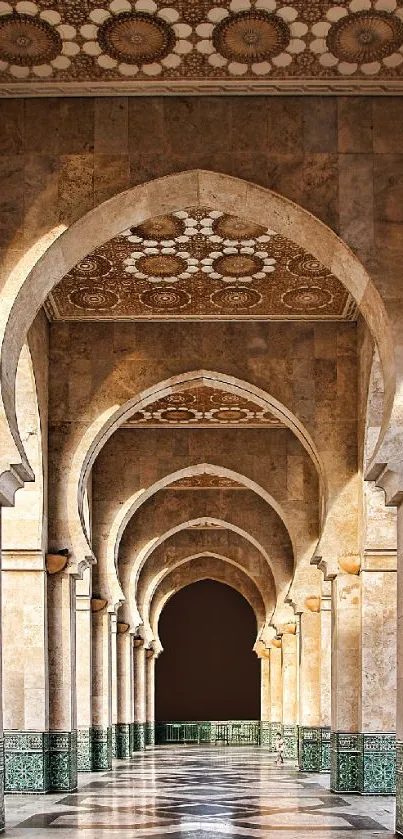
144, 46
206, 481
200, 263
205, 407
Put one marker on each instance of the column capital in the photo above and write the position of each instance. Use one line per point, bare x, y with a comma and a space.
98, 604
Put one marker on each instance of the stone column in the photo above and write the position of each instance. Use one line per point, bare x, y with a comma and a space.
139, 661
62, 682
325, 671
345, 683
101, 686
310, 739
114, 680
124, 669
84, 672
290, 697
378, 674
25, 671
265, 695
276, 691
150, 698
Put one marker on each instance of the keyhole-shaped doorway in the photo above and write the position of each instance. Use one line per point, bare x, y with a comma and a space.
208, 670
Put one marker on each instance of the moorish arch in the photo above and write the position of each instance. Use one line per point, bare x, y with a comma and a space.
128, 510
267, 592
129, 573
203, 568
56, 253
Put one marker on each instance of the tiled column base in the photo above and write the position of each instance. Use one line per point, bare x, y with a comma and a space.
26, 757
345, 753
265, 733
399, 787
139, 736
101, 748
313, 749
40, 761
2, 819
377, 764
290, 736
62, 761
114, 742
122, 740
150, 734
84, 750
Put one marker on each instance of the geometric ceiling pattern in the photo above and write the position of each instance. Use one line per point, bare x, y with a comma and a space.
203, 407
205, 481
146, 42
200, 263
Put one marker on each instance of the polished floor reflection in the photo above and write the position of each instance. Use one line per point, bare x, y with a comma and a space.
200, 793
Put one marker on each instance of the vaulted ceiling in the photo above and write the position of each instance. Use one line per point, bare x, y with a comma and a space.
178, 46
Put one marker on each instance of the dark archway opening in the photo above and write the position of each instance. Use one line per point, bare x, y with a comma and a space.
208, 670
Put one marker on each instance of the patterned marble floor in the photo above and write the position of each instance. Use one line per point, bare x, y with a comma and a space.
200, 793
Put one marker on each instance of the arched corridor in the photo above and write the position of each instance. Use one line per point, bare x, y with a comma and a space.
201, 425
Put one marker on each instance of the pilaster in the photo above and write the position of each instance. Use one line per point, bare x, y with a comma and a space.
101, 686
290, 686
140, 711
150, 698
124, 669
84, 672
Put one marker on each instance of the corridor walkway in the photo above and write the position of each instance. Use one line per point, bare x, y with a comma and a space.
200, 793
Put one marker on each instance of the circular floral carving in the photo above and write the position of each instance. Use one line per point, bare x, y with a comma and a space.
306, 298
225, 398
305, 265
251, 36
230, 227
92, 266
161, 265
136, 37
229, 415
185, 398
238, 265
26, 41
236, 297
177, 415
365, 36
165, 298
160, 228
94, 299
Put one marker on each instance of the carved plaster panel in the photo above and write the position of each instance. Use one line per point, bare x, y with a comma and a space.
200, 263
86, 47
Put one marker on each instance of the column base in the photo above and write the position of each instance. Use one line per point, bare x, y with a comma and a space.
150, 734
345, 752
139, 736
265, 733
40, 761
377, 764
313, 748
290, 737
84, 749
123, 740
399, 787
101, 748
62, 761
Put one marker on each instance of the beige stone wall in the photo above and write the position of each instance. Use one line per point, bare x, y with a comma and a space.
378, 650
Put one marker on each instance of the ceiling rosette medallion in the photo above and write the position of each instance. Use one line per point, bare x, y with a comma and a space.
34, 41
251, 37
364, 37
136, 37
200, 263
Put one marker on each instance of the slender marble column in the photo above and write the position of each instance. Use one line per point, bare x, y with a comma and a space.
62, 682
114, 681
276, 690
124, 668
378, 686
84, 672
140, 714
346, 683
265, 693
101, 687
150, 697
25, 671
290, 696
310, 745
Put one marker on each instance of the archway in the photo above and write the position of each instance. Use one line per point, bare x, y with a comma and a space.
208, 670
